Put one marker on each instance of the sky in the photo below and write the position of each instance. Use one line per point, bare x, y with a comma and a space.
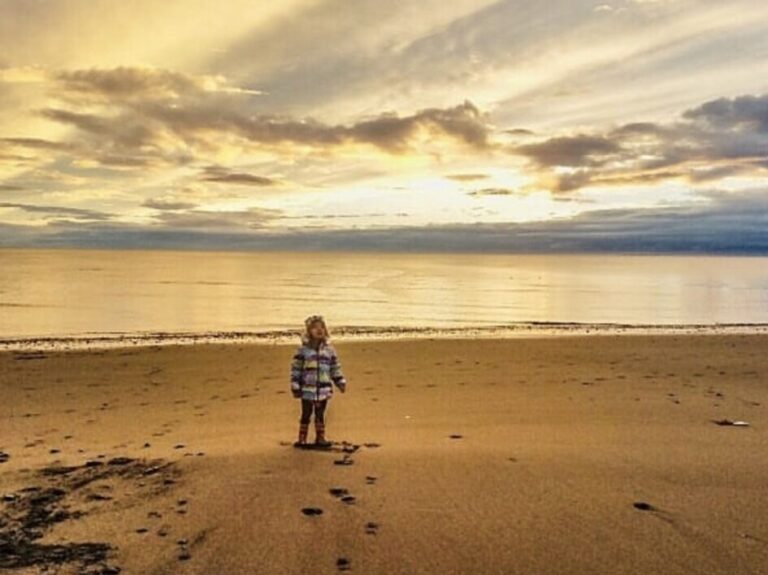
453, 125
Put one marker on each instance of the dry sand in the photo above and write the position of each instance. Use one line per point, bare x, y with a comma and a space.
555, 442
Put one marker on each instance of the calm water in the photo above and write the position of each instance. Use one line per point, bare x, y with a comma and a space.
78, 292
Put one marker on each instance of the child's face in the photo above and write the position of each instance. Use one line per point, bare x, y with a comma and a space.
316, 330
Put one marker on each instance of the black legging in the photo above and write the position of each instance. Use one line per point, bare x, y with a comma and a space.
306, 410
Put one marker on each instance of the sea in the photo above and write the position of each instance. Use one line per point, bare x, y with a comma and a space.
110, 296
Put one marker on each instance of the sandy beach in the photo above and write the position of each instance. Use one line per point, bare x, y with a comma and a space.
548, 455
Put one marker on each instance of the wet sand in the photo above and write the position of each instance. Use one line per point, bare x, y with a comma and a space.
579, 454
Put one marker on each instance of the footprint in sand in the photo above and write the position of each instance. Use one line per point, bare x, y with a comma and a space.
342, 563
455, 436
371, 528
349, 448
311, 511
370, 479
184, 554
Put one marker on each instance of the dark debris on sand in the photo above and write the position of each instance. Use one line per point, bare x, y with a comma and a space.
27, 514
730, 422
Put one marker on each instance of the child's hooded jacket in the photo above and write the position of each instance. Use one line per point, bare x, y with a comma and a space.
314, 372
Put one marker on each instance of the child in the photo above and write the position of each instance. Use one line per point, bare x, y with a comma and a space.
315, 369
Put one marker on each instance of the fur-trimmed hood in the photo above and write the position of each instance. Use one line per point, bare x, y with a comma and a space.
306, 339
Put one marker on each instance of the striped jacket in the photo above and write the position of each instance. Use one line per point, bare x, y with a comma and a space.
315, 372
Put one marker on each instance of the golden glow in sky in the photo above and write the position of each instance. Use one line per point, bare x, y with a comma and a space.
251, 117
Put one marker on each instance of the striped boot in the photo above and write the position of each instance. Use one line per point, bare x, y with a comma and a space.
320, 440
303, 429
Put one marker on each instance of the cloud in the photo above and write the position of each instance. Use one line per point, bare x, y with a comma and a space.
222, 175
494, 192
720, 138
125, 84
331, 54
167, 204
122, 83
104, 106
58, 211
344, 60
123, 154
127, 161
520, 132
723, 222
171, 215
38, 144
467, 177
120, 132
252, 218
388, 132
158, 111
743, 114
578, 150
340, 216
463, 122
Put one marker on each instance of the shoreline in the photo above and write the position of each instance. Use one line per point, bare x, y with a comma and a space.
356, 333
